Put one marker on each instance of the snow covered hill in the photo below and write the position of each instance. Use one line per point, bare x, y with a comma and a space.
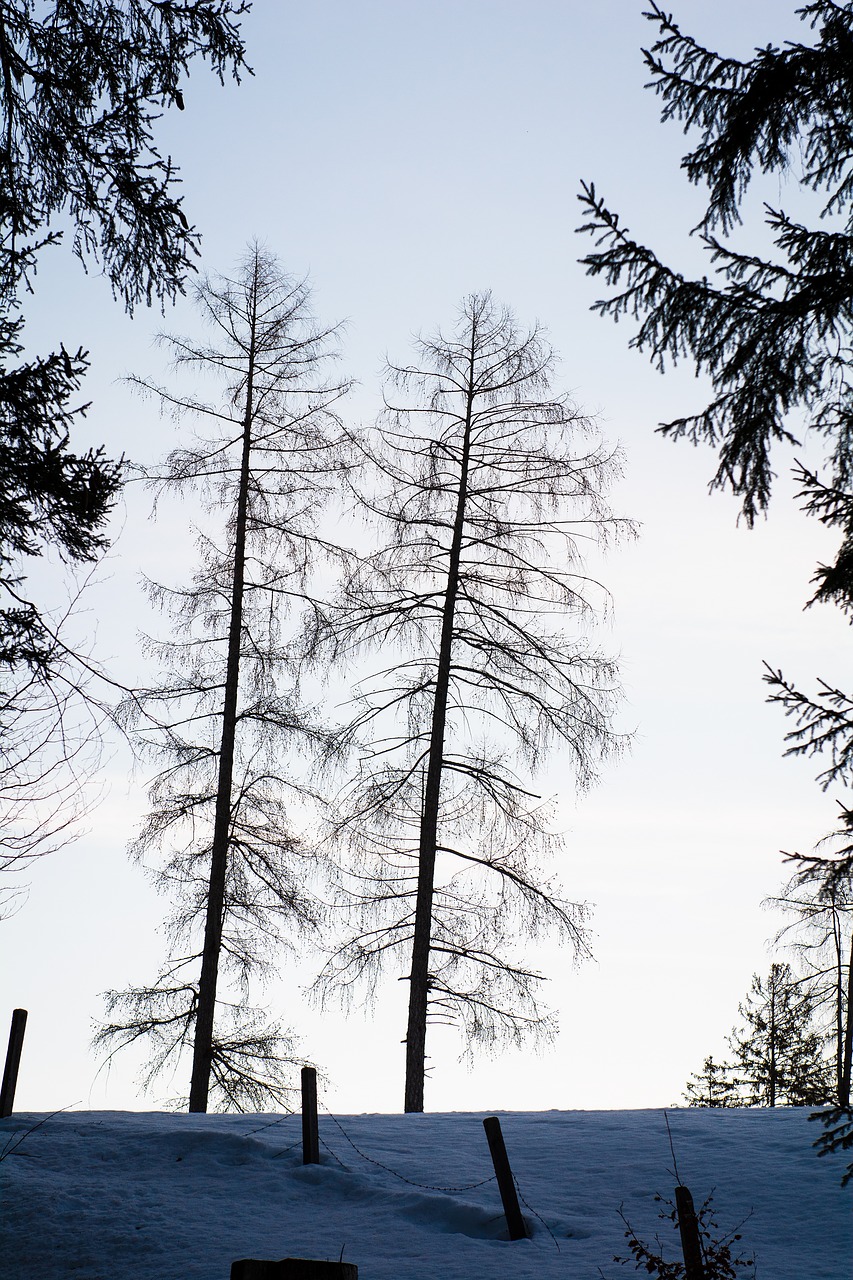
138, 1196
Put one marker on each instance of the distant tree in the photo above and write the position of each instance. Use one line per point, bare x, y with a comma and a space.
716, 1085
772, 332
226, 716
487, 500
778, 1051
82, 83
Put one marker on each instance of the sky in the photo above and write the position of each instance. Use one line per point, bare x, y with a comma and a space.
404, 156
101, 1194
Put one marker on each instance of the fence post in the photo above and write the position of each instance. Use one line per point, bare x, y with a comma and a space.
310, 1128
688, 1226
13, 1061
506, 1184
292, 1269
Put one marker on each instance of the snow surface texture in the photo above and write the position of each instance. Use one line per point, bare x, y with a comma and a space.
114, 1195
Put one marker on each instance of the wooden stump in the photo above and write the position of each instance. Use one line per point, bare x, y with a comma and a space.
292, 1269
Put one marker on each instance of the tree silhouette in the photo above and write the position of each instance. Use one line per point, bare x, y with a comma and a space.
779, 1058
487, 501
716, 1085
83, 83
225, 720
772, 329
778, 1051
773, 333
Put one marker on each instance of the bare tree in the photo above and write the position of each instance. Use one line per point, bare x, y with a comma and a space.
821, 935
487, 504
50, 747
226, 805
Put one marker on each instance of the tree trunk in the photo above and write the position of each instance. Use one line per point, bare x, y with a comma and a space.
838, 946
847, 1059
203, 1044
419, 976
772, 1063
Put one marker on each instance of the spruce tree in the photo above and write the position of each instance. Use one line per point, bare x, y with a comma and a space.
716, 1085
772, 330
82, 84
779, 1054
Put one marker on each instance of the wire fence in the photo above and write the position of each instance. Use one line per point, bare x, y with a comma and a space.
423, 1186
411, 1182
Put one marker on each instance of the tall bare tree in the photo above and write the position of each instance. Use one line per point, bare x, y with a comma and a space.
487, 502
227, 719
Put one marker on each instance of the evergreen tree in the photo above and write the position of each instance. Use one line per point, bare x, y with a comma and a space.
778, 1052
773, 333
716, 1085
225, 721
772, 330
822, 889
82, 83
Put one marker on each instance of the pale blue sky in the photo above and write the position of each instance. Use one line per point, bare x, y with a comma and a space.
404, 155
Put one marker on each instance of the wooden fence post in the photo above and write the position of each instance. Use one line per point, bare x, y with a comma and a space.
13, 1061
688, 1226
310, 1128
292, 1269
506, 1184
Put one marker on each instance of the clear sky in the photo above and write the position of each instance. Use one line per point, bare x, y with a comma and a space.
405, 154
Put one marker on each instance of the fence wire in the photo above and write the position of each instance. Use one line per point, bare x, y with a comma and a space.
421, 1186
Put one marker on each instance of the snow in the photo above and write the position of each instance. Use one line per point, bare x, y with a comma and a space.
150, 1196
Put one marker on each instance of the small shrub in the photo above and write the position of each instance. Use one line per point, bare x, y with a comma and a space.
720, 1253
